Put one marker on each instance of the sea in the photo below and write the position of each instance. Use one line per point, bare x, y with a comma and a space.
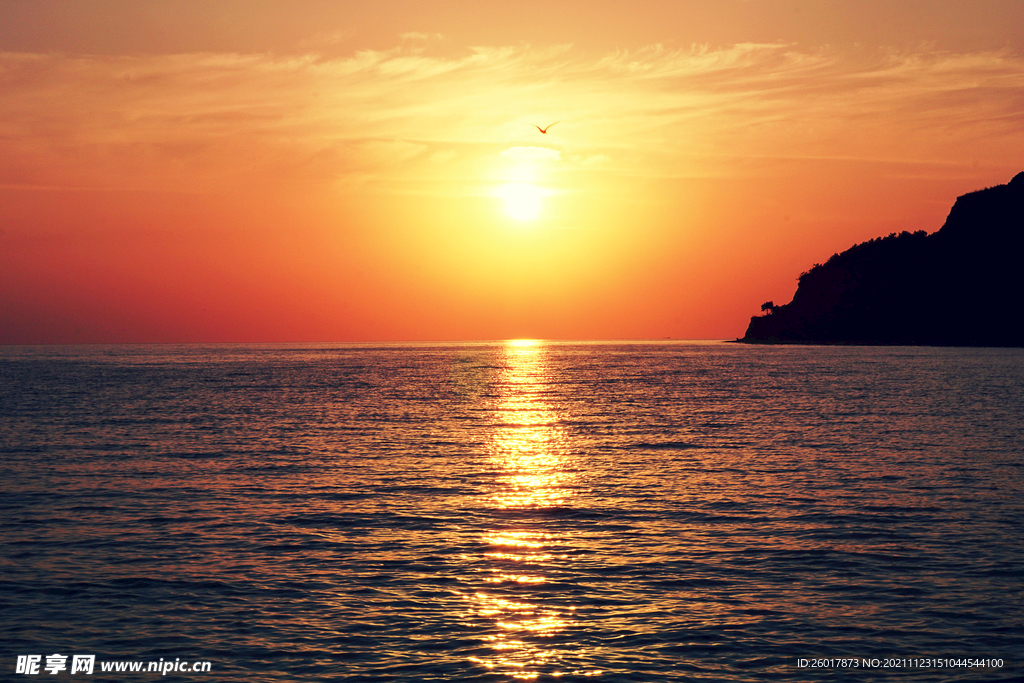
511, 511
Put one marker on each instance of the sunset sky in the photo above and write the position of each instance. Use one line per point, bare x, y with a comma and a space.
304, 170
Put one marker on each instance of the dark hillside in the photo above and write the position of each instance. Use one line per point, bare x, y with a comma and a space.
959, 286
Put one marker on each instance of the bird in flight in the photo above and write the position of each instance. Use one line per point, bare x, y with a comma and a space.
543, 130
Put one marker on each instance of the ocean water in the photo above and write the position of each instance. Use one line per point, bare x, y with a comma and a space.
513, 511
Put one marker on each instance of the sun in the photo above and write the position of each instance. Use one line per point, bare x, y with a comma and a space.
523, 201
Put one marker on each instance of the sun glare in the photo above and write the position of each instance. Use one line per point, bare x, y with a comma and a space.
522, 200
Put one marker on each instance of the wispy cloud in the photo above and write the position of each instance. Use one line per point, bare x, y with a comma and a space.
531, 153
193, 118
417, 35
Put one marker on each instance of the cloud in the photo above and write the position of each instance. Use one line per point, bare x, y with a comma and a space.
531, 154
193, 119
325, 40
595, 160
382, 152
443, 156
416, 35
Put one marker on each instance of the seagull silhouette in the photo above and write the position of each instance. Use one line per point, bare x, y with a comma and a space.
543, 130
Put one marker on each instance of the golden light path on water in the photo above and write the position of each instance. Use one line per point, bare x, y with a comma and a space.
530, 450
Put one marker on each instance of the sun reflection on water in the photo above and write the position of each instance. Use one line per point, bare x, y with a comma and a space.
528, 442
530, 449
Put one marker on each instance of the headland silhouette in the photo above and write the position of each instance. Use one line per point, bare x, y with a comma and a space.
959, 286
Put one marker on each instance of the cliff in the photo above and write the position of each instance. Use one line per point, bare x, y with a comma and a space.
960, 286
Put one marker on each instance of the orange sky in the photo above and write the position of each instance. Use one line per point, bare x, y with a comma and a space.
353, 171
